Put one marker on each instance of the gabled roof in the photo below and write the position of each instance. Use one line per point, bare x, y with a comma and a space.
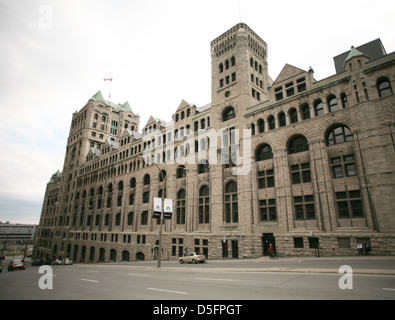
183, 105
288, 72
118, 107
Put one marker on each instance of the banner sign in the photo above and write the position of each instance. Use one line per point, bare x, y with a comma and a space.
168, 208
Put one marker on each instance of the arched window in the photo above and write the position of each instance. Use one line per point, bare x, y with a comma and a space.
343, 98
162, 175
318, 107
233, 61
147, 179
221, 67
263, 152
203, 167
305, 110
133, 183
261, 125
293, 115
181, 172
298, 144
181, 206
384, 87
332, 103
228, 113
204, 205
339, 134
120, 185
231, 203
281, 119
272, 122
109, 189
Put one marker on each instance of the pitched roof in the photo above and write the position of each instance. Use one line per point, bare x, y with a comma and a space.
118, 107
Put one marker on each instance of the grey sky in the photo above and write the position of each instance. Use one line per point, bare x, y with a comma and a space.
54, 55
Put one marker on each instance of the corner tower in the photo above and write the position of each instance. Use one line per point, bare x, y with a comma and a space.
239, 73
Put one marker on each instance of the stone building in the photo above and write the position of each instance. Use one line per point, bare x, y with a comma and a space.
299, 163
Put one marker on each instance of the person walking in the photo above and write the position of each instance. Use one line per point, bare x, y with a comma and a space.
271, 251
359, 248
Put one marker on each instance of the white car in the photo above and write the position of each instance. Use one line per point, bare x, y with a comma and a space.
192, 257
68, 261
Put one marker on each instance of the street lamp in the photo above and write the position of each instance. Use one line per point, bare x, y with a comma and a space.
164, 179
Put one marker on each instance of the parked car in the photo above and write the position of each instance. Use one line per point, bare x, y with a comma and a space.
1, 268
37, 262
192, 257
57, 261
68, 261
16, 264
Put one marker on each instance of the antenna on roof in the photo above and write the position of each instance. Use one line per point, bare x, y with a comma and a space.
109, 79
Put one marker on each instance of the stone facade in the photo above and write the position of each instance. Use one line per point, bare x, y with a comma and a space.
299, 163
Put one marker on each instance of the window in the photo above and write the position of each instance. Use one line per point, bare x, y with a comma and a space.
332, 103
339, 135
146, 197
181, 207
130, 218
144, 218
384, 87
228, 114
318, 107
271, 122
181, 172
147, 180
266, 179
304, 207
204, 205
298, 243
343, 167
203, 167
267, 210
293, 115
261, 125
343, 98
349, 204
231, 203
305, 109
298, 144
300, 173
263, 152
281, 119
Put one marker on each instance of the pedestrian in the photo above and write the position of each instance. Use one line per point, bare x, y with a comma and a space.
271, 251
359, 248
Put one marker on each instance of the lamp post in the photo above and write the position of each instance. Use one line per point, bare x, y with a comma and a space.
164, 179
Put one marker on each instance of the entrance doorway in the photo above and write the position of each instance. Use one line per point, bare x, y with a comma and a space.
235, 249
267, 239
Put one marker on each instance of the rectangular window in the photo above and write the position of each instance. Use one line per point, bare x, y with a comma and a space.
349, 204
266, 179
298, 243
300, 173
267, 210
343, 167
304, 207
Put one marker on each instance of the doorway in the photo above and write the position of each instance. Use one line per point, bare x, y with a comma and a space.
267, 239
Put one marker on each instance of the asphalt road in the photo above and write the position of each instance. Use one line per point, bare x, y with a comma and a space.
370, 278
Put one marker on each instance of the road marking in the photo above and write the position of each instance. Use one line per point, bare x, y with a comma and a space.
212, 279
169, 291
139, 275
89, 280
389, 289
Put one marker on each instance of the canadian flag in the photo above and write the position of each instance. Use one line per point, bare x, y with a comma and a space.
110, 79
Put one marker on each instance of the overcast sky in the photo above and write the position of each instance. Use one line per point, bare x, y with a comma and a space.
55, 55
